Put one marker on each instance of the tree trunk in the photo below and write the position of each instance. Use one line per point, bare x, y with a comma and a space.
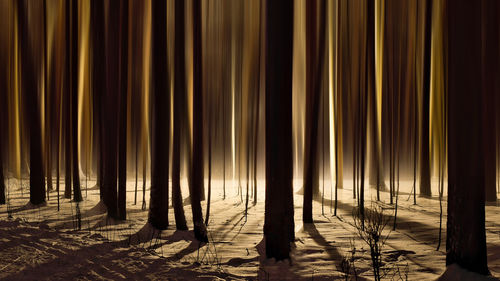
122, 111
67, 107
466, 238
109, 109
491, 89
179, 107
158, 206
200, 230
425, 170
2, 180
279, 224
77, 193
314, 64
30, 95
98, 85
48, 109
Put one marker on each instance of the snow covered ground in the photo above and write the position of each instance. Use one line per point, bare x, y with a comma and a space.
41, 243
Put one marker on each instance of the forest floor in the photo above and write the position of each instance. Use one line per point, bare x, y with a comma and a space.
42, 243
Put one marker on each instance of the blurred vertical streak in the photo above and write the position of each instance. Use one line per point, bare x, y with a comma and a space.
332, 64
122, 110
179, 112
299, 86
379, 66
31, 93
98, 87
85, 134
197, 181
47, 109
145, 97
13, 96
74, 82
4, 90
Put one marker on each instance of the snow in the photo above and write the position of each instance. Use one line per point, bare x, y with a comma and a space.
40, 243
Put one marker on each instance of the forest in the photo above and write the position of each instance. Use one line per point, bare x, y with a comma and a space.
249, 140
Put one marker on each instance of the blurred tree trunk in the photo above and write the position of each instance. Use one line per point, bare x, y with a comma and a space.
48, 109
315, 39
158, 212
466, 238
67, 106
98, 86
491, 89
179, 113
110, 108
29, 93
77, 193
2, 180
122, 112
197, 174
2, 128
376, 171
279, 224
4, 112
425, 170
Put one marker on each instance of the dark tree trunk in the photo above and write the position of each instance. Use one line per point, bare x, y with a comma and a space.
2, 180
158, 206
197, 181
110, 109
279, 224
98, 85
425, 170
491, 88
77, 193
67, 107
122, 111
48, 109
30, 95
314, 65
4, 115
2, 108
179, 106
466, 238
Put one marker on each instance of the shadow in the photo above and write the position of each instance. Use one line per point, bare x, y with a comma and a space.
98, 210
332, 252
418, 231
234, 223
28, 206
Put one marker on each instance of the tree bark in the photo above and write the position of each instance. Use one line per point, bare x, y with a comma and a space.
314, 64
98, 86
2, 180
179, 113
110, 109
466, 238
425, 170
491, 88
77, 193
197, 181
29, 92
67, 107
122, 111
279, 224
158, 206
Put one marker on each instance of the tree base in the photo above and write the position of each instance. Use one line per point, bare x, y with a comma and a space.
456, 273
